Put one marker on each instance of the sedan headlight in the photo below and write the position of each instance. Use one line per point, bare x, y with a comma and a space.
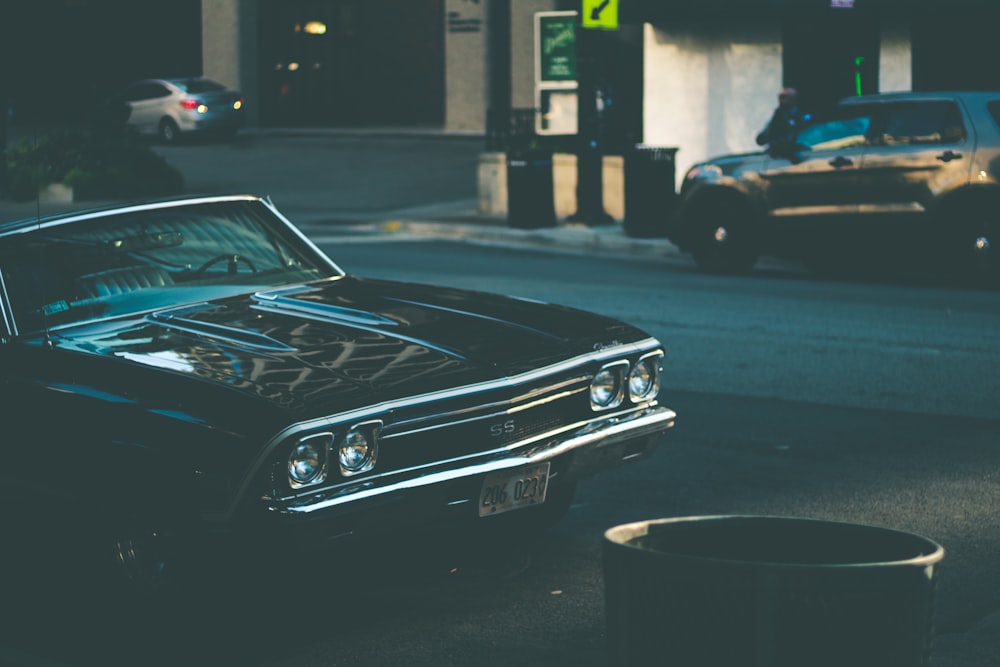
358, 449
307, 460
644, 379
607, 387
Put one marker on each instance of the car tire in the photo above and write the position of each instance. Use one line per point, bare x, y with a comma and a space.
169, 132
721, 238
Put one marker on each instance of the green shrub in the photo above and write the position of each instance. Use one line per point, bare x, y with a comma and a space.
96, 167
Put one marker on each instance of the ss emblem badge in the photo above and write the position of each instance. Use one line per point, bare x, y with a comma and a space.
501, 429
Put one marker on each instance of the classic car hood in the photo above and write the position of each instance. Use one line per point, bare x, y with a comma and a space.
333, 346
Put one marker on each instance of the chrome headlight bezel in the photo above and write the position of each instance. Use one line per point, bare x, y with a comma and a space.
357, 451
644, 378
607, 387
307, 460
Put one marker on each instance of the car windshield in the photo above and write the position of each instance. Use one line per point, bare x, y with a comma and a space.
135, 261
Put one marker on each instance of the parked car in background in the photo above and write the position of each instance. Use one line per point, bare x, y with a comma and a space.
171, 108
188, 378
911, 176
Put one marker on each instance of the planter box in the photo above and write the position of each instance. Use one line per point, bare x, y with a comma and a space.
55, 193
492, 185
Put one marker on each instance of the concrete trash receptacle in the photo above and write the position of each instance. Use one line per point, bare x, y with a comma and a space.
530, 197
650, 195
755, 591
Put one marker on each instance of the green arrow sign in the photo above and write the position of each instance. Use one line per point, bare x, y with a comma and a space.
602, 14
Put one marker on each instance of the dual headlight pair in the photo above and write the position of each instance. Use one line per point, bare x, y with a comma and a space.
640, 381
311, 457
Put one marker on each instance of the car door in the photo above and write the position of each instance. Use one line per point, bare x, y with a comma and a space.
815, 182
920, 150
146, 101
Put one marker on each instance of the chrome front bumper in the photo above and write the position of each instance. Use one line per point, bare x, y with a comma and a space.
600, 444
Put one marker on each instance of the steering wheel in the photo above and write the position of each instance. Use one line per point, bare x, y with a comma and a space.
233, 262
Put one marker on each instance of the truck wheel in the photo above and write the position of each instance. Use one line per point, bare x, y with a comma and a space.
722, 241
973, 242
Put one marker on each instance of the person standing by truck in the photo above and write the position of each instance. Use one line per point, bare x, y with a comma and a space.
785, 122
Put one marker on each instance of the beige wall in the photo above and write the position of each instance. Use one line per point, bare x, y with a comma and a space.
466, 60
709, 90
895, 61
466, 66
229, 47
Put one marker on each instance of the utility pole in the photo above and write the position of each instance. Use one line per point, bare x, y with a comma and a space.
499, 81
590, 148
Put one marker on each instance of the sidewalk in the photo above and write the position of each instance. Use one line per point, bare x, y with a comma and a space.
461, 221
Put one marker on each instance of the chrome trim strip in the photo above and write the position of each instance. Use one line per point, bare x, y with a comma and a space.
634, 426
495, 408
892, 207
174, 320
281, 301
305, 240
62, 219
796, 211
490, 412
6, 309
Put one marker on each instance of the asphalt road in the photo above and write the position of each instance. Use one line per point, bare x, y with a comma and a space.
851, 401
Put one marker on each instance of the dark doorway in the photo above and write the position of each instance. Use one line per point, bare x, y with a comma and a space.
60, 58
955, 48
830, 54
352, 62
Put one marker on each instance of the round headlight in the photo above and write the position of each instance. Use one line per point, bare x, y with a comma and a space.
605, 388
306, 462
643, 380
355, 452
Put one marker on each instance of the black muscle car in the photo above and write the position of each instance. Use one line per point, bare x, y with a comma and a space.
180, 377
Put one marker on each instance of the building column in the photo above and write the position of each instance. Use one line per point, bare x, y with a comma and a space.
895, 59
229, 48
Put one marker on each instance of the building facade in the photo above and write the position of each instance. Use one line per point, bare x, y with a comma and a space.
700, 76
697, 75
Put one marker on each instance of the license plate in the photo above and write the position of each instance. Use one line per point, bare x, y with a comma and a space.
513, 489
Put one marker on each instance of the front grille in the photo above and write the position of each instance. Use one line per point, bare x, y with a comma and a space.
470, 434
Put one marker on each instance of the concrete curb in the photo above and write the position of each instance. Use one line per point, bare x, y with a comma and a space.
605, 239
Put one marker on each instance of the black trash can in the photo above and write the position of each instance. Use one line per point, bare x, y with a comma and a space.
530, 197
650, 190
768, 591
